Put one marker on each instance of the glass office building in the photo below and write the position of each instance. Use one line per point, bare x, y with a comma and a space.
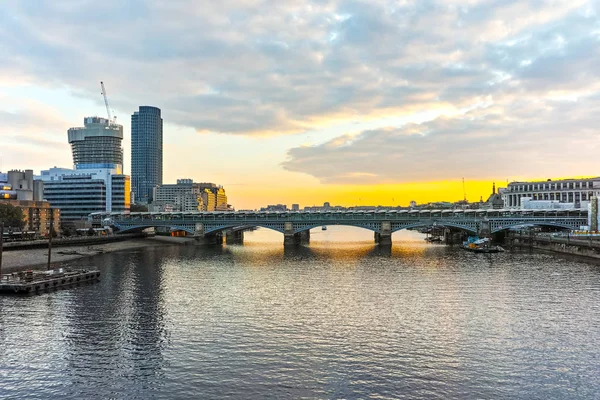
146, 152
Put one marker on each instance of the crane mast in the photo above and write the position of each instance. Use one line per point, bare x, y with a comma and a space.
110, 119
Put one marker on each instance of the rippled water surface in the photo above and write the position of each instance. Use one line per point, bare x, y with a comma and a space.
336, 319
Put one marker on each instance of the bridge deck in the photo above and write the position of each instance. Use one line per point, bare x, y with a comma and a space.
377, 221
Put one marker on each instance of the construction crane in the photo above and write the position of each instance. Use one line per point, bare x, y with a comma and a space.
110, 118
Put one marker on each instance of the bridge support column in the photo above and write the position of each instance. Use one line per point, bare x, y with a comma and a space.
447, 236
289, 237
213, 238
234, 237
292, 239
305, 237
484, 229
384, 236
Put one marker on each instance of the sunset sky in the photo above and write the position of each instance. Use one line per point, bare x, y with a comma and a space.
351, 102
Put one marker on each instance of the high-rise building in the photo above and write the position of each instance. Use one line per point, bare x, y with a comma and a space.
97, 144
146, 152
97, 183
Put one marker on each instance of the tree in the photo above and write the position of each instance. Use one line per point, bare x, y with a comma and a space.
138, 208
11, 216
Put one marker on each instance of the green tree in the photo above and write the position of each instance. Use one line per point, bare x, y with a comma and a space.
11, 216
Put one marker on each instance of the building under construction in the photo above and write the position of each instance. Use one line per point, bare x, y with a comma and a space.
97, 144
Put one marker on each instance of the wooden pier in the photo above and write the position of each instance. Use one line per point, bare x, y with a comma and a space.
26, 282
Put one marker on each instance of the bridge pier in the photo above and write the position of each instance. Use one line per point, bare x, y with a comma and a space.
213, 238
291, 238
305, 237
484, 229
384, 236
234, 237
452, 236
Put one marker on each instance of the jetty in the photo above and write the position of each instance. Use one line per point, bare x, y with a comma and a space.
25, 282
30, 281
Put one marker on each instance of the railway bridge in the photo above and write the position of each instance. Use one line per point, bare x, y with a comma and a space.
209, 227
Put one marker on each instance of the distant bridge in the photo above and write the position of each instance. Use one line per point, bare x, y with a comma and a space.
295, 225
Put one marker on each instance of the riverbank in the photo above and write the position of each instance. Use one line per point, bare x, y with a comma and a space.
584, 248
37, 258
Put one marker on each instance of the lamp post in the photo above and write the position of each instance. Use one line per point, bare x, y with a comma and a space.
1, 245
50, 238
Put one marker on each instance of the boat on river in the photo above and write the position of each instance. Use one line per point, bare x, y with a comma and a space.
29, 281
483, 245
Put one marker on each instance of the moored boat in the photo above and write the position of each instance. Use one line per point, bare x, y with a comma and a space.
476, 245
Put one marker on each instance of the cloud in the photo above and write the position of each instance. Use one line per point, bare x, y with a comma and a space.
26, 132
273, 67
537, 138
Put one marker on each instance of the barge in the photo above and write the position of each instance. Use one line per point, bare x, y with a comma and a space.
26, 282
476, 245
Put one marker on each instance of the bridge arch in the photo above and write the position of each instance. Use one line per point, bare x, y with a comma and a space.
532, 224
307, 227
215, 229
139, 228
468, 229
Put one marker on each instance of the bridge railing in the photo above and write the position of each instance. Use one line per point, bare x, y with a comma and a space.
243, 217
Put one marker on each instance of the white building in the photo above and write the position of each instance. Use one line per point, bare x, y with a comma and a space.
81, 192
527, 203
575, 192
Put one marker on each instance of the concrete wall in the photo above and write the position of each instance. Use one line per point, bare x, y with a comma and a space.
583, 247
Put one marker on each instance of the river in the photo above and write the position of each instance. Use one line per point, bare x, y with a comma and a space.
340, 318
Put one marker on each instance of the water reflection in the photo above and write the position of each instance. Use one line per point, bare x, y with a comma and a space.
345, 319
119, 323
298, 253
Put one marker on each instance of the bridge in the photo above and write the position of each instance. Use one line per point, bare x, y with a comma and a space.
208, 227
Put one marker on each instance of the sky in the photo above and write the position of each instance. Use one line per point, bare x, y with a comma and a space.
351, 102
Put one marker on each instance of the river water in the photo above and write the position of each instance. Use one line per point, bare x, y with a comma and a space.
340, 318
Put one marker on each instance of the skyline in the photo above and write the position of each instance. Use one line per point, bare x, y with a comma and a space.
348, 102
